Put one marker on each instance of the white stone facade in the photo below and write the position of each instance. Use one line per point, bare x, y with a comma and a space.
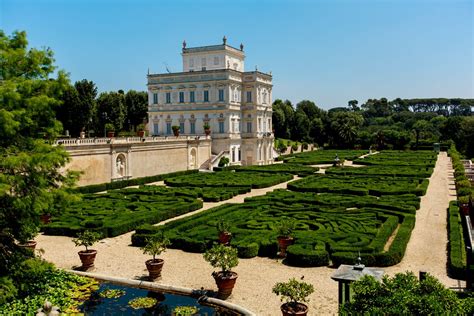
214, 89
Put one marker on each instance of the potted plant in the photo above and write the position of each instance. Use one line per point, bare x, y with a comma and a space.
45, 217
294, 293
207, 129
87, 239
225, 258
463, 202
141, 130
154, 247
110, 128
175, 129
285, 238
224, 234
26, 238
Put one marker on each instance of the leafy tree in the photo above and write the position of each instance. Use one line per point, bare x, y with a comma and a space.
344, 127
78, 110
111, 109
68, 111
279, 124
136, 103
87, 91
289, 112
377, 108
352, 105
30, 178
404, 295
467, 136
419, 127
301, 126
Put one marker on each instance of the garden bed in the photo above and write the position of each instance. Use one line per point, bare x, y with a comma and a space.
121, 211
329, 227
254, 180
326, 156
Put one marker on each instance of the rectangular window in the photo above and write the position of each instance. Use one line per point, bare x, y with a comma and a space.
249, 96
203, 62
181, 97
233, 154
221, 127
249, 127
216, 60
240, 155
206, 95
155, 98
193, 127
168, 97
221, 95
168, 128
191, 97
156, 129
259, 124
181, 127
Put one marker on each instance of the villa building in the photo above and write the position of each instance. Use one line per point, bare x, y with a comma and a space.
215, 89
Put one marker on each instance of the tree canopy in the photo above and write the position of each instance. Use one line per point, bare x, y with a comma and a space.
30, 179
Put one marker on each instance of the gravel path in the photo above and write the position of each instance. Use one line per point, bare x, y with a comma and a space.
426, 251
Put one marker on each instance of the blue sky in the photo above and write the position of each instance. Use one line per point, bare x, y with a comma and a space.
326, 51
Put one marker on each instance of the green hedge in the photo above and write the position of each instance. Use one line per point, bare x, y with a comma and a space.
255, 180
326, 224
382, 259
325, 156
456, 246
360, 185
381, 170
304, 255
300, 170
418, 158
121, 211
94, 188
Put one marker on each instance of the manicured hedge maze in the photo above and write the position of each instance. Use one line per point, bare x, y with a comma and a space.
326, 156
381, 170
337, 215
297, 169
253, 180
329, 226
121, 211
420, 158
360, 185
208, 194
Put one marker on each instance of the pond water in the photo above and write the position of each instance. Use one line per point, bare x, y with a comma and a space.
98, 305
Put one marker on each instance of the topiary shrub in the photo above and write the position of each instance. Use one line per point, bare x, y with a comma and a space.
304, 255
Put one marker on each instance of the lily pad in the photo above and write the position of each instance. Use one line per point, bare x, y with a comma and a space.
185, 310
142, 302
112, 293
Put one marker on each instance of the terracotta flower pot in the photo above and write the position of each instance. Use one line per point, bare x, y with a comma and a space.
207, 131
141, 133
110, 134
30, 244
45, 218
284, 242
154, 267
288, 309
464, 208
87, 258
225, 237
225, 283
